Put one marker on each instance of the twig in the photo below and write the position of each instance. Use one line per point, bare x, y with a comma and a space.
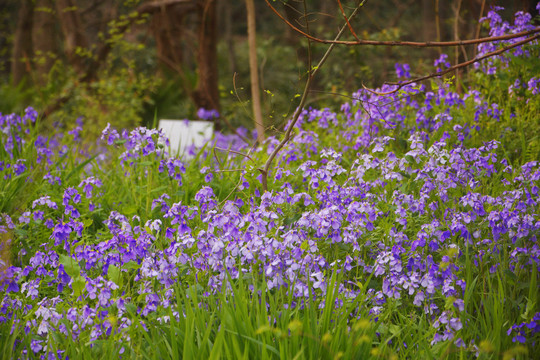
235, 152
216, 157
405, 43
452, 68
312, 72
232, 191
228, 170
347, 20
479, 25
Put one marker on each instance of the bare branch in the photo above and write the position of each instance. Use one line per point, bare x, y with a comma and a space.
453, 68
347, 20
312, 72
235, 152
405, 43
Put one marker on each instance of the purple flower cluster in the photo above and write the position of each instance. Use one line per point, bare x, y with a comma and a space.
204, 114
525, 329
498, 27
14, 134
388, 188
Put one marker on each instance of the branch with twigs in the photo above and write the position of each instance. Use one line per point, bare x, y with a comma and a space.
347, 20
235, 152
336, 41
404, 43
453, 68
311, 74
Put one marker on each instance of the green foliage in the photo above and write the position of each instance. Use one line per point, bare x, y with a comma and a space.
14, 99
280, 68
117, 97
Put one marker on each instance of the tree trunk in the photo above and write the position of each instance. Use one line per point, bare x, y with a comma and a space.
430, 24
167, 26
22, 43
457, 60
43, 39
293, 12
254, 71
227, 19
429, 28
74, 33
206, 94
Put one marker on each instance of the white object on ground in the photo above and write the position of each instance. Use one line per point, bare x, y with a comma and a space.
184, 133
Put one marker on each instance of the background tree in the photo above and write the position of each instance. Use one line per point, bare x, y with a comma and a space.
45, 48
22, 43
74, 33
181, 61
254, 71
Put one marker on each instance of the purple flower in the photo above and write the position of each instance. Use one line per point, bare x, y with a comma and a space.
89, 183
62, 275
455, 324
35, 345
71, 194
76, 132
60, 233
110, 135
160, 201
204, 114
402, 70
19, 167
533, 85
30, 114
206, 198
442, 60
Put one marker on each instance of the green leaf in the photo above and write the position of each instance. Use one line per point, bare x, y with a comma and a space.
78, 285
114, 274
87, 222
131, 265
71, 266
130, 210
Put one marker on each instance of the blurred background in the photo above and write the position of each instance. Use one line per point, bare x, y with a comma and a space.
131, 62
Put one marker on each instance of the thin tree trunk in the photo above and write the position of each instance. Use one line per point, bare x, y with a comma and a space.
294, 11
430, 29
74, 33
206, 94
227, 25
90, 75
457, 12
167, 27
254, 71
43, 39
22, 43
